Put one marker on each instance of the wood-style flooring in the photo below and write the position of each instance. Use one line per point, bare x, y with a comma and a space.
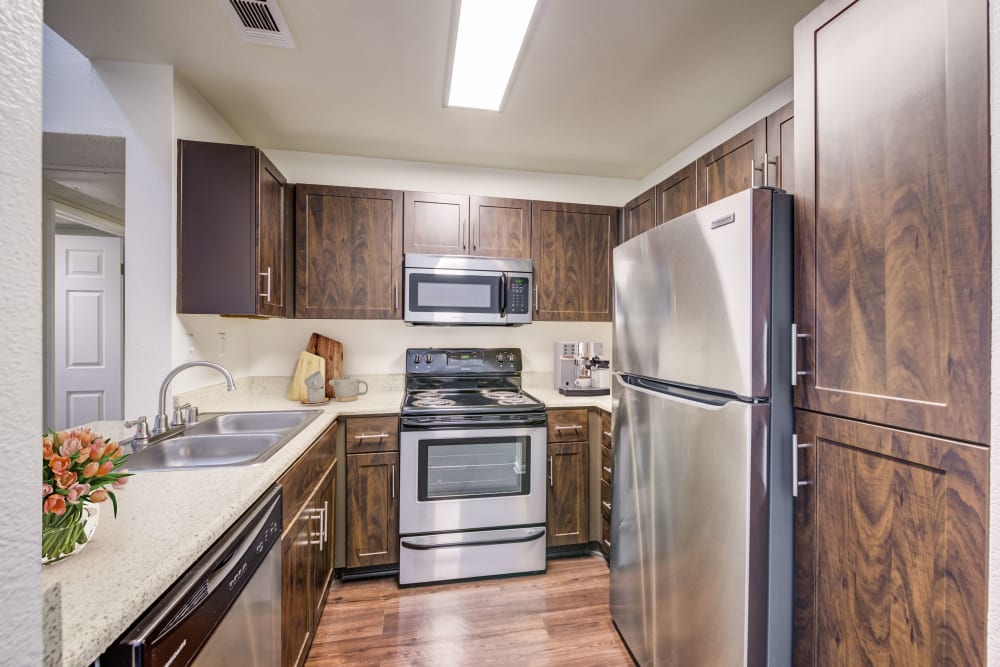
557, 618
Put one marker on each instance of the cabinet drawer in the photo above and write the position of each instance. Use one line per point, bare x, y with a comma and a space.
606, 536
605, 499
606, 429
299, 481
606, 465
372, 434
567, 425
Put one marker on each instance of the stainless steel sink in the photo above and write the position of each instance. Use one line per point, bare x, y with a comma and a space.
236, 439
255, 422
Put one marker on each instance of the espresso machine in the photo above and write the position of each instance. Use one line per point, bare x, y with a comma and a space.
579, 369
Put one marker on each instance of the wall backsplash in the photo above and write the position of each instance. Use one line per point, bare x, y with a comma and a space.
371, 347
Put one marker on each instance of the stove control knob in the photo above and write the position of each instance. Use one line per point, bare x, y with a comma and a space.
416, 358
427, 358
510, 357
499, 357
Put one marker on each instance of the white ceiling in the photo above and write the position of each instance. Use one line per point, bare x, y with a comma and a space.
604, 87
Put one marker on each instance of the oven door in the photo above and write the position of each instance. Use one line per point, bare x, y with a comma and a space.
462, 479
449, 296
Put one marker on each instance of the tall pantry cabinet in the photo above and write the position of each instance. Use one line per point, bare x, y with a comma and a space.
893, 305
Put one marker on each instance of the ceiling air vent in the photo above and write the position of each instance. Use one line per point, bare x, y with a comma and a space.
260, 22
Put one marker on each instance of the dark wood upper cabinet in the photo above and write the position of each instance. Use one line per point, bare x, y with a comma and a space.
677, 194
735, 165
892, 179
234, 231
638, 216
500, 227
443, 224
780, 169
571, 251
348, 255
435, 224
890, 547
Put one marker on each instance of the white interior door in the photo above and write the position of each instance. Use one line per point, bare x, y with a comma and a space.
88, 329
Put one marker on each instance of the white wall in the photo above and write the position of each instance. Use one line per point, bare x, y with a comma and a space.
136, 102
993, 625
21, 334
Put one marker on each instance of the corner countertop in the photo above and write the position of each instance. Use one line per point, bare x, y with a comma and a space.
167, 520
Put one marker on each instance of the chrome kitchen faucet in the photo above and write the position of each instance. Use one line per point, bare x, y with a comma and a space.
161, 423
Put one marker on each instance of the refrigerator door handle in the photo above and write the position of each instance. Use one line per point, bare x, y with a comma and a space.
670, 393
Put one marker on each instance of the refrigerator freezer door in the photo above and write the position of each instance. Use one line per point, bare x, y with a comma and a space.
692, 298
689, 529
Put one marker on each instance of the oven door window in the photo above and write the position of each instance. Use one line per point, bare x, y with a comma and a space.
473, 468
430, 292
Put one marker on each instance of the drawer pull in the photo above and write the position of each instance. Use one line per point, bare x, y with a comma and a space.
371, 436
606, 505
606, 469
606, 433
607, 544
574, 427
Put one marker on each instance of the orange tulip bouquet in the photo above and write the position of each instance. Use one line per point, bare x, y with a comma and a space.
77, 468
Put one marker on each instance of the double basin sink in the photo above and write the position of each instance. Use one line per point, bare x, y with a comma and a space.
235, 439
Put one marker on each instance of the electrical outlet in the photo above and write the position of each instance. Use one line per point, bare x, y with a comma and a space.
222, 343
189, 345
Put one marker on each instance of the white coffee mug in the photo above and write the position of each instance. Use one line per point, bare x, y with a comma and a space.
348, 389
582, 383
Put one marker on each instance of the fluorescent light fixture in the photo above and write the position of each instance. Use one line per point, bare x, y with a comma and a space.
490, 34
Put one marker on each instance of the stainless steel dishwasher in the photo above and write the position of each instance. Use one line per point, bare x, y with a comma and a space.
226, 610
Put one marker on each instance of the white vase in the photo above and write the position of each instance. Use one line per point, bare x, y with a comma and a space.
89, 517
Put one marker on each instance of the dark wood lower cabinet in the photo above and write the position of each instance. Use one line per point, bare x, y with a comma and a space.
890, 551
372, 509
297, 592
568, 519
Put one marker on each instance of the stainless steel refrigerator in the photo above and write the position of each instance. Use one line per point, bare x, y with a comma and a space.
701, 518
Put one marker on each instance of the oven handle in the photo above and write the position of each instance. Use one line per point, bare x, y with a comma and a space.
538, 534
503, 294
418, 423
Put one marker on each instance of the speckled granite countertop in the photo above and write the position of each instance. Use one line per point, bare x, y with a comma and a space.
167, 520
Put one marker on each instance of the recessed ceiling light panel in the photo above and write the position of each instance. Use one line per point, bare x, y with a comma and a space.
489, 39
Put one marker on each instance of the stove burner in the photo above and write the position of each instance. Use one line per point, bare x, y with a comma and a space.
512, 396
433, 402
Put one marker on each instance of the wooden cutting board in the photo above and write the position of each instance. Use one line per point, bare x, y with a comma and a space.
308, 364
332, 351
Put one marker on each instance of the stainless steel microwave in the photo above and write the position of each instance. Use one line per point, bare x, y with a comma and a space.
452, 289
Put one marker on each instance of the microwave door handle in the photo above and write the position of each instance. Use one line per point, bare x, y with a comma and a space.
503, 294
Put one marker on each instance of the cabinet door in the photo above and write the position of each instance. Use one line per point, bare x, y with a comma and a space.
322, 507
500, 227
733, 166
567, 518
348, 255
571, 249
435, 224
274, 240
677, 194
893, 214
639, 215
781, 149
890, 547
372, 509
297, 590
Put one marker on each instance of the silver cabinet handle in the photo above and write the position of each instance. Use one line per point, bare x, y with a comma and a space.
536, 298
475, 234
606, 433
395, 296
777, 173
267, 290
371, 436
753, 169
324, 533
465, 227
795, 465
551, 474
392, 482
573, 427
606, 505
795, 354
316, 538
607, 544
606, 469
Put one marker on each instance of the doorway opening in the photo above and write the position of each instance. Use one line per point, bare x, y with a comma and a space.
83, 180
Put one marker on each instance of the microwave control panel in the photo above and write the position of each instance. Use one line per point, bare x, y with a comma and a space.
518, 294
